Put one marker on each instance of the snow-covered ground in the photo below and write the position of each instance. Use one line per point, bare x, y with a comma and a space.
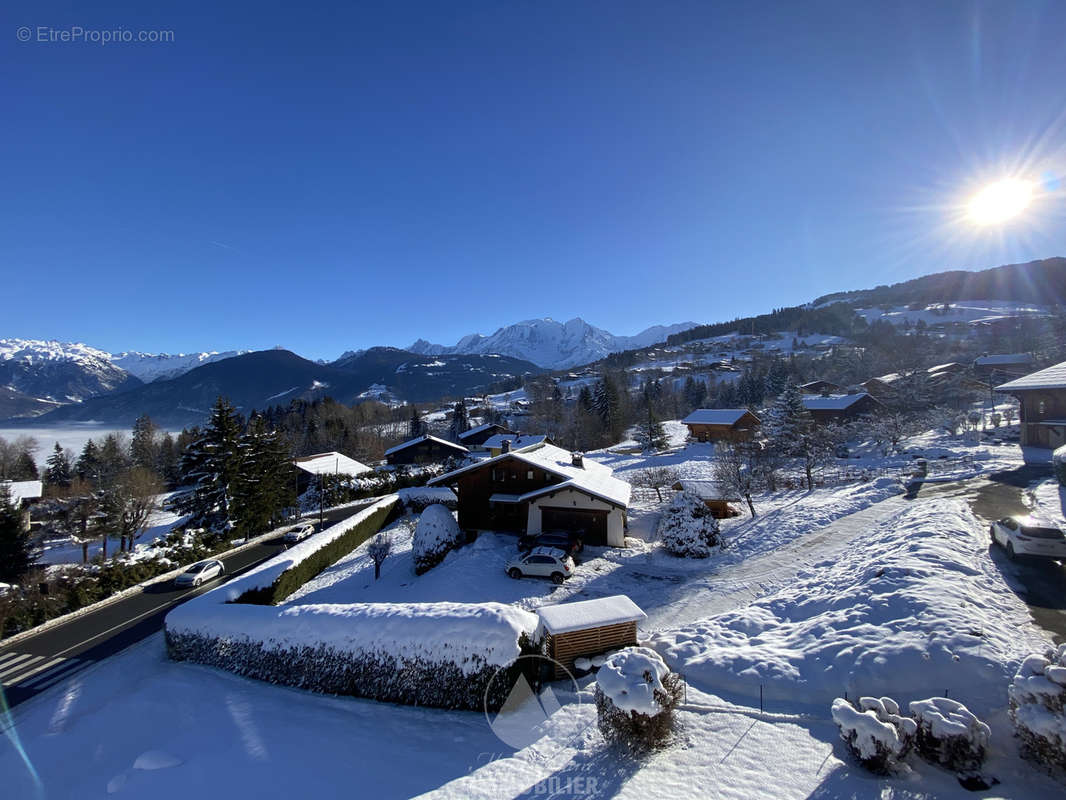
848, 588
65, 551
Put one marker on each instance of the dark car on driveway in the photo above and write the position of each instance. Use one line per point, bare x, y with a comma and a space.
567, 541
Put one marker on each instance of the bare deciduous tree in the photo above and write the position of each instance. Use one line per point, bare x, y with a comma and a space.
657, 478
378, 550
128, 503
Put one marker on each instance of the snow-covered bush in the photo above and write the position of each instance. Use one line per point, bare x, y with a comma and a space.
949, 735
437, 532
874, 731
1038, 707
1059, 460
687, 528
636, 695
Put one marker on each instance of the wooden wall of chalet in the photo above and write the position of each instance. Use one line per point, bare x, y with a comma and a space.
425, 452
512, 476
565, 647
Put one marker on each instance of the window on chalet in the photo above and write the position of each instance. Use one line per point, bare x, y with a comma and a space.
529, 475
1041, 408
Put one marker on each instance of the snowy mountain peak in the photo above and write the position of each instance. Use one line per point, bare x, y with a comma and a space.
552, 344
36, 351
163, 366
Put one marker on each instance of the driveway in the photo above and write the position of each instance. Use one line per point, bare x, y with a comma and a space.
1042, 585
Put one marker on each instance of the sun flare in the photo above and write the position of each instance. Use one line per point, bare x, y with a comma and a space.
1000, 201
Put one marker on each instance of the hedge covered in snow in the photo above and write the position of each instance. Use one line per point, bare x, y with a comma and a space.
874, 731
1058, 459
299, 564
949, 735
434, 654
436, 534
687, 528
416, 499
1038, 707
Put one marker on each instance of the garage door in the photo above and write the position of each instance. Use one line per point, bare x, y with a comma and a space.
592, 524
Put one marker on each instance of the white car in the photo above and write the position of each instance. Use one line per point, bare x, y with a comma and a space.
299, 533
1025, 536
200, 572
546, 562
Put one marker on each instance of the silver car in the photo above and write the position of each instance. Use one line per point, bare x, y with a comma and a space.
201, 572
546, 562
1025, 536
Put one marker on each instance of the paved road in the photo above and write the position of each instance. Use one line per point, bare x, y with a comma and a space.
36, 663
1041, 584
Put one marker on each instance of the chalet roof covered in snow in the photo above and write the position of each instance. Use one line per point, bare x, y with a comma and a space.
1049, 378
24, 490
424, 438
478, 429
518, 441
707, 490
715, 416
832, 402
591, 477
598, 613
331, 464
1003, 359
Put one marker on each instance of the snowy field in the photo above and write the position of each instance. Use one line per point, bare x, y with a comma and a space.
849, 588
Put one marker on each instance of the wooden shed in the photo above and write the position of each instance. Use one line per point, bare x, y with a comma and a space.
714, 494
588, 628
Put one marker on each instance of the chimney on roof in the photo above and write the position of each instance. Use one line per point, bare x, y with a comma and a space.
577, 460
505, 446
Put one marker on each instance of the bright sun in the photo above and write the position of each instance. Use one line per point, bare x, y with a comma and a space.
1000, 201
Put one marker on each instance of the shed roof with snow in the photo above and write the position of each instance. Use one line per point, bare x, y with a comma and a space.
332, 463
832, 402
425, 438
584, 614
1053, 377
1003, 359
518, 441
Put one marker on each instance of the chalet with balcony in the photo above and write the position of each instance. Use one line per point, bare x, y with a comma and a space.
1042, 406
721, 424
538, 489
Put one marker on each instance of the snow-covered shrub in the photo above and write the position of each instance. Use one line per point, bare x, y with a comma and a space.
437, 532
1059, 460
874, 731
1038, 707
687, 528
636, 695
949, 735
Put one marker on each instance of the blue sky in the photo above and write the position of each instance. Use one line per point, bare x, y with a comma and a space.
332, 178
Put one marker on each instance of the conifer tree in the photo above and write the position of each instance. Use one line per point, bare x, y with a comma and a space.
88, 466
169, 460
16, 553
25, 467
60, 473
264, 485
415, 426
144, 446
460, 421
650, 431
211, 464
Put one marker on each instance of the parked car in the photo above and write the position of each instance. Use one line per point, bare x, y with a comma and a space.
201, 572
546, 562
567, 541
299, 533
1024, 536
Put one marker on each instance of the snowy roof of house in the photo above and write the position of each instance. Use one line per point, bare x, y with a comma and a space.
942, 367
479, 429
331, 464
598, 613
1003, 358
424, 438
707, 490
832, 402
24, 490
518, 441
1049, 378
715, 416
592, 478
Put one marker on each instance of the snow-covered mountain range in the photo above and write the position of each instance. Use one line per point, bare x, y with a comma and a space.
164, 366
552, 344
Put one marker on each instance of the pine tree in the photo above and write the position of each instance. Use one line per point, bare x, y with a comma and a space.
211, 464
144, 446
113, 459
169, 460
460, 421
25, 467
16, 553
791, 430
607, 405
264, 485
650, 433
59, 473
88, 466
415, 426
